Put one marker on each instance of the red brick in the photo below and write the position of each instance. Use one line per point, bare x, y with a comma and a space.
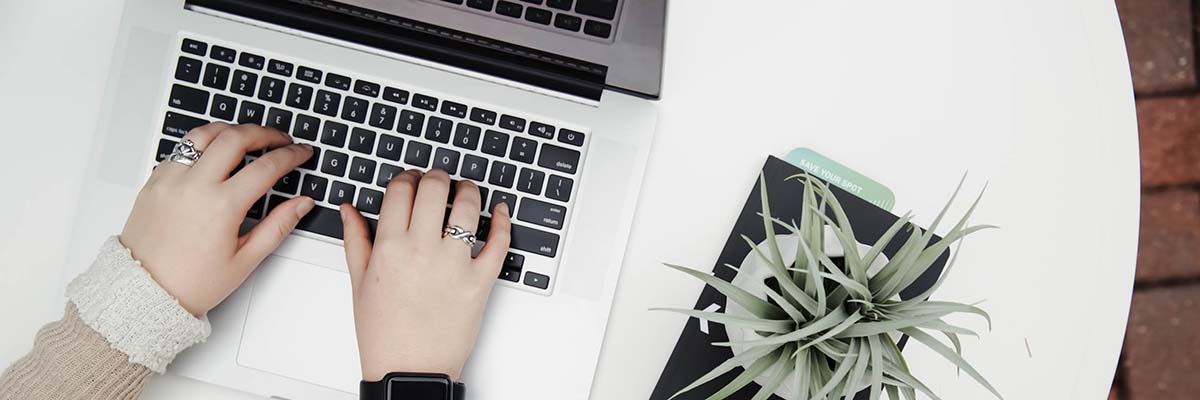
1169, 241
1162, 347
1158, 36
1169, 129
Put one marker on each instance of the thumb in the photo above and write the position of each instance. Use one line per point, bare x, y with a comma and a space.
266, 236
357, 240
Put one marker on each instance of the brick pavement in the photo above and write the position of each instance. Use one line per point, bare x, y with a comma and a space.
1161, 356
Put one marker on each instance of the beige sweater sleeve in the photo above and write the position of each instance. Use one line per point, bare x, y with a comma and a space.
71, 361
118, 329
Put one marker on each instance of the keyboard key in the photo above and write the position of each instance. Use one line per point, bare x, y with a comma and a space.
306, 127
334, 134
223, 107
340, 193
530, 181
390, 147
314, 187
289, 183
509, 8
177, 125
369, 201
337, 81
459, 2
503, 197
165, 148
362, 141
523, 150
568, 22
534, 279
386, 173
251, 113
244, 83
251, 61
570, 137
354, 109
188, 69
195, 47
542, 213
559, 159
559, 188
512, 123
365, 88
311, 162
514, 261
425, 102
446, 160
299, 96
395, 95
309, 74
474, 168
538, 15
321, 220
334, 163
483, 196
418, 154
279, 68
511, 275
271, 90
256, 210
495, 143
606, 9
564, 5
362, 170
467, 136
410, 123
438, 130
503, 174
186, 98
383, 116
279, 119
454, 109
483, 116
216, 76
597, 29
534, 241
327, 103
485, 5
222, 54
541, 130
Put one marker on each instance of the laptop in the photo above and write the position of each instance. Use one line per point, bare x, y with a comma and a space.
548, 105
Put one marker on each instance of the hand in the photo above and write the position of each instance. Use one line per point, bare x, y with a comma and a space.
184, 225
419, 297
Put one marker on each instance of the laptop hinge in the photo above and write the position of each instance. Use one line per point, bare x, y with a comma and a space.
425, 41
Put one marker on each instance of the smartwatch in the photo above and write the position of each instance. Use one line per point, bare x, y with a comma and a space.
412, 386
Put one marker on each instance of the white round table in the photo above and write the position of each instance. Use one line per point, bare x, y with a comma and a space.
1030, 97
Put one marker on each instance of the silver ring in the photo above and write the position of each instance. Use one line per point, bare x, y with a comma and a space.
459, 233
185, 153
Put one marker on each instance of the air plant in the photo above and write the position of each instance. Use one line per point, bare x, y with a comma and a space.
833, 328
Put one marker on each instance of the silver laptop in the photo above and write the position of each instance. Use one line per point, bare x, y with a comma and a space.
546, 104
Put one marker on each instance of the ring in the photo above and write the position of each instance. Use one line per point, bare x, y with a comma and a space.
459, 233
185, 153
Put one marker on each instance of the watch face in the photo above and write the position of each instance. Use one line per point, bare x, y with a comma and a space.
418, 388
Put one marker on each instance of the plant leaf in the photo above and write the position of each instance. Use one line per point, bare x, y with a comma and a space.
757, 368
790, 290
755, 305
839, 374
850, 321
828, 321
784, 367
733, 362
876, 366
950, 355
757, 324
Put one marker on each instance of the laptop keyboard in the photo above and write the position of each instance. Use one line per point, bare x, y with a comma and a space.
365, 131
592, 19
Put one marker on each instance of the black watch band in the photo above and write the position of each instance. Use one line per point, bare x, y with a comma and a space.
379, 390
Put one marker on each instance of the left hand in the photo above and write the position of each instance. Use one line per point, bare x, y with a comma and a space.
184, 225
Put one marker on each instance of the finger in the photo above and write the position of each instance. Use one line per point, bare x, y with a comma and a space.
266, 236
201, 137
492, 256
230, 147
357, 240
257, 178
465, 211
429, 208
396, 210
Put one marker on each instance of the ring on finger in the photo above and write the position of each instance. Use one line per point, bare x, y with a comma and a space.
185, 153
457, 232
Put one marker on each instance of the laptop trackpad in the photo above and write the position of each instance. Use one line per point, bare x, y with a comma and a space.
301, 325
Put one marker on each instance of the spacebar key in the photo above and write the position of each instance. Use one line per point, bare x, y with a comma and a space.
322, 220
534, 241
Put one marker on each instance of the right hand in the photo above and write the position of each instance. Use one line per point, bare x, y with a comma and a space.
418, 296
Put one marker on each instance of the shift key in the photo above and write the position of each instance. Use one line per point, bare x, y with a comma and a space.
534, 241
542, 213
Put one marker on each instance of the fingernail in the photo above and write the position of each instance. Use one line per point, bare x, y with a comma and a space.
306, 146
304, 207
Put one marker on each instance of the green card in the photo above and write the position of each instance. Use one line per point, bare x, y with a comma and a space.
842, 177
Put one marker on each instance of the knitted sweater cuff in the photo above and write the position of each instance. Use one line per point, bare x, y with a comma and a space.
118, 299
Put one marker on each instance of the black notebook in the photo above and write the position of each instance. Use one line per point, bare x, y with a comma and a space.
694, 354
